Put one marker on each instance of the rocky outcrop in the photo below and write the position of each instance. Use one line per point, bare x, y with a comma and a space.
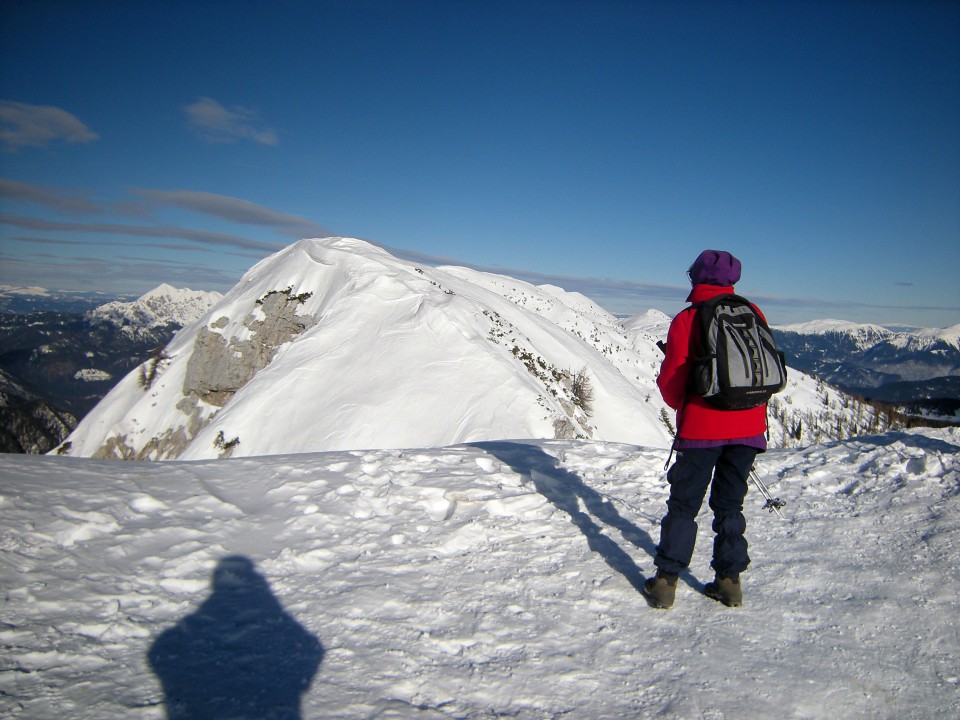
226, 356
219, 367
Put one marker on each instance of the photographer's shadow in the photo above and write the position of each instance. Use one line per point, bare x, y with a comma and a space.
566, 491
239, 656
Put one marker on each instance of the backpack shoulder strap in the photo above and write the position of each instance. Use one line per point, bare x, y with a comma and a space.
705, 308
759, 317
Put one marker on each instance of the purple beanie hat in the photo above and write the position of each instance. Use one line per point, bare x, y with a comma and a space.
715, 267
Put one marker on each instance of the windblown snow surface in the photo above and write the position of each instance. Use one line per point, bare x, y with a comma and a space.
487, 580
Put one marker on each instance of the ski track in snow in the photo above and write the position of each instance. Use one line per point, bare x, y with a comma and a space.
490, 580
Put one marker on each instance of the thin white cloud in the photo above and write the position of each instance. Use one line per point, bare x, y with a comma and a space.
63, 201
235, 210
23, 125
217, 124
231, 209
116, 275
204, 237
175, 247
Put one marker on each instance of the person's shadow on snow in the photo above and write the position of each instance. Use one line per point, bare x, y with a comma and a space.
239, 656
566, 491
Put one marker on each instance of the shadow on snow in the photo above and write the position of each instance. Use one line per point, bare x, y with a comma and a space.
239, 656
585, 506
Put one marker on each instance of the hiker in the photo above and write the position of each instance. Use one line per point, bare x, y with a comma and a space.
712, 444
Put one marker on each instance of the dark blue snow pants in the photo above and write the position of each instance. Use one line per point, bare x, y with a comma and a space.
729, 467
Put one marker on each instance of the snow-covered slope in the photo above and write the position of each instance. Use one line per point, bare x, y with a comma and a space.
161, 307
334, 344
475, 582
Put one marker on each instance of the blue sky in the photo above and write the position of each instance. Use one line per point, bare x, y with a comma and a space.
597, 145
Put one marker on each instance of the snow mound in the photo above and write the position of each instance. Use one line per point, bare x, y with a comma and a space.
652, 321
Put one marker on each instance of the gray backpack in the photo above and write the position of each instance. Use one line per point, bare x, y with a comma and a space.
737, 365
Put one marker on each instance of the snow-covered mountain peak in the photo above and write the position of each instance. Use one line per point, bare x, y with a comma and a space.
949, 335
162, 306
820, 327
170, 293
334, 343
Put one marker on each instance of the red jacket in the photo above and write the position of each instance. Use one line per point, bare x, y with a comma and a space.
697, 419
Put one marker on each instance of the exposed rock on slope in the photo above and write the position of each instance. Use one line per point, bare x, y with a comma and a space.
218, 366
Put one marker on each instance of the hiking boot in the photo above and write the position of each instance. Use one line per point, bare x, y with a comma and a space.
661, 589
725, 589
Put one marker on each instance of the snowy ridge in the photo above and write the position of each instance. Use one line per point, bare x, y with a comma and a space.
24, 290
950, 335
863, 336
476, 581
164, 305
867, 336
819, 327
335, 344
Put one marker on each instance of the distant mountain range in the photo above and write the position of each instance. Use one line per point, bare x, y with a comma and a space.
919, 368
56, 364
335, 344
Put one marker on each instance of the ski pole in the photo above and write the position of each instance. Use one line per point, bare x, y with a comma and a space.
772, 504
629, 506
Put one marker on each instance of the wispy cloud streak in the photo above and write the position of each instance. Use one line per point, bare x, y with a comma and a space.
206, 237
63, 201
235, 210
117, 275
214, 123
24, 125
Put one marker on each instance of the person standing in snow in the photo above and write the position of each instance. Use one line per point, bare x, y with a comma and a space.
715, 448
